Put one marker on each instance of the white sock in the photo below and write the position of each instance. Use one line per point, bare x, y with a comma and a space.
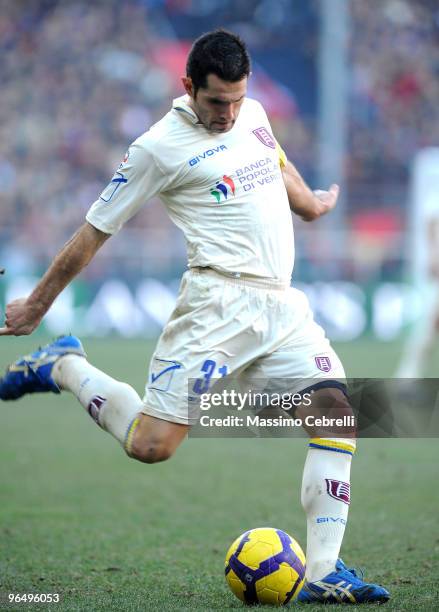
325, 499
112, 404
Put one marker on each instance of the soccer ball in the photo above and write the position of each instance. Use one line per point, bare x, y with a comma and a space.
266, 566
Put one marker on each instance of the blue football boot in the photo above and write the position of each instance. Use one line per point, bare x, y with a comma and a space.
342, 586
33, 373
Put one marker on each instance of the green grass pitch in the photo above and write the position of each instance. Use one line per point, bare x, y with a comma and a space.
79, 518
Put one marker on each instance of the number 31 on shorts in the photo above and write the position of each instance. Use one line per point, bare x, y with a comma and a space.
208, 368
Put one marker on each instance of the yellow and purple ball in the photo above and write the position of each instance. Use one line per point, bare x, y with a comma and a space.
265, 566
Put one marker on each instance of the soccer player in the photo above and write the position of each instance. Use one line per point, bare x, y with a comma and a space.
225, 181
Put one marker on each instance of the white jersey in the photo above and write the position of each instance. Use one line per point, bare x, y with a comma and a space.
224, 190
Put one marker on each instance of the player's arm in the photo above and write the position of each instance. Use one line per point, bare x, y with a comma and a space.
309, 205
137, 179
24, 315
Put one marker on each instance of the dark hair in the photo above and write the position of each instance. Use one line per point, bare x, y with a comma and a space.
218, 52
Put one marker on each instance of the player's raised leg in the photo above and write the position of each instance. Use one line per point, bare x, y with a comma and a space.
113, 405
306, 363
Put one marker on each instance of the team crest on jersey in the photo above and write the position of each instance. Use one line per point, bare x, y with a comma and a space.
338, 490
125, 158
323, 363
265, 137
223, 189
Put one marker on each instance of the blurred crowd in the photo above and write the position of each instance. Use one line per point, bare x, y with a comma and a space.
78, 85
81, 80
394, 107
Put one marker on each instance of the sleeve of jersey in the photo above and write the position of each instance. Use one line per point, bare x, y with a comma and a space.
280, 152
136, 181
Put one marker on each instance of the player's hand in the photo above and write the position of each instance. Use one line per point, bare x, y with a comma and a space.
20, 318
327, 199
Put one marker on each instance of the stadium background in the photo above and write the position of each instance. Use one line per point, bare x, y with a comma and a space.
81, 80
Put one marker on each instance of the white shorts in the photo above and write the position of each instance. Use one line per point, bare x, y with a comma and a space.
250, 329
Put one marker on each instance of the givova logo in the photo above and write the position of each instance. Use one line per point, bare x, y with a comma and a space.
223, 188
196, 160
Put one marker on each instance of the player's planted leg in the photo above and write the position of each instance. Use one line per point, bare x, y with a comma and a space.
113, 405
325, 499
326, 482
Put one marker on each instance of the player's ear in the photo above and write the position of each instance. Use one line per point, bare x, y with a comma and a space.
188, 85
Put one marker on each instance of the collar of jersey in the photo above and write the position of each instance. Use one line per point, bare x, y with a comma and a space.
182, 106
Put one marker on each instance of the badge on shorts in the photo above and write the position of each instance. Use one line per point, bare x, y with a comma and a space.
323, 363
162, 373
265, 137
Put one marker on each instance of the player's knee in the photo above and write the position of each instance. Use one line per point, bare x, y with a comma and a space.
331, 412
154, 440
342, 407
340, 411
151, 450
150, 453
152, 446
